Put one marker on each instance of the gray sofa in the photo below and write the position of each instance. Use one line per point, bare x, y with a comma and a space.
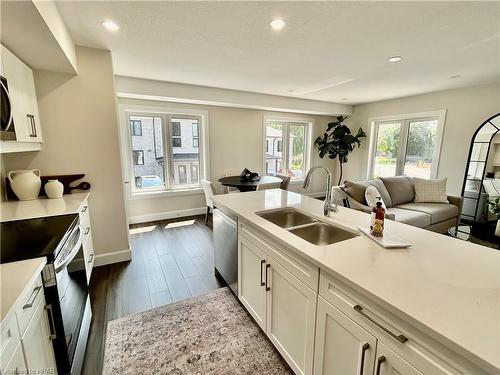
398, 194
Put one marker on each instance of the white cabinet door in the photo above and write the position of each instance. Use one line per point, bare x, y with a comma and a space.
251, 283
37, 344
389, 363
23, 96
16, 364
342, 346
291, 316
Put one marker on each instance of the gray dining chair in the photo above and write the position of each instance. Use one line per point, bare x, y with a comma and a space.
269, 185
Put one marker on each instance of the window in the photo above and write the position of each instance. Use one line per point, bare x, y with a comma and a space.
182, 177
176, 142
279, 146
157, 160
194, 173
138, 157
196, 139
287, 147
406, 146
136, 127
176, 134
148, 166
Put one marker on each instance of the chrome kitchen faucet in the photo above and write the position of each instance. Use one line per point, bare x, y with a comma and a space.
327, 208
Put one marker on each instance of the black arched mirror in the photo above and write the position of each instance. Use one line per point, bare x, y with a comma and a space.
482, 175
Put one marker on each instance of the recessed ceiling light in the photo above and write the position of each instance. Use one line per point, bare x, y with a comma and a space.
110, 25
455, 76
278, 24
394, 59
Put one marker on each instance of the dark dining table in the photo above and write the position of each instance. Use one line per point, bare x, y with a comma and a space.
245, 185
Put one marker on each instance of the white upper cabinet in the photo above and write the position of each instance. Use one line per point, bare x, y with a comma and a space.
24, 104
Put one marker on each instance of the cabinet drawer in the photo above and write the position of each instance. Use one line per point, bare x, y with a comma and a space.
9, 339
297, 266
26, 309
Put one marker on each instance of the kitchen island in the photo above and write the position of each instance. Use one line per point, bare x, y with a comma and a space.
430, 308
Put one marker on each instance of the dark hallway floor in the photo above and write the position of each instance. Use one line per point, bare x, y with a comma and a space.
171, 260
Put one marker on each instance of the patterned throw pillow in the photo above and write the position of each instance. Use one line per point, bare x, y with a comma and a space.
371, 195
430, 191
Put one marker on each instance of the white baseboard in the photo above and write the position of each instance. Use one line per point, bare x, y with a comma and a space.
113, 257
166, 215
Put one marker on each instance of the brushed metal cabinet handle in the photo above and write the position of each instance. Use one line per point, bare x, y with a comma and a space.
91, 257
267, 287
366, 346
262, 283
52, 325
32, 298
380, 360
87, 230
401, 338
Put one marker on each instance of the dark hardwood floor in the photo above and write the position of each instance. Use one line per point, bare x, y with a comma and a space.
171, 260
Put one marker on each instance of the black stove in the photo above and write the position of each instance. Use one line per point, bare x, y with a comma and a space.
33, 238
60, 239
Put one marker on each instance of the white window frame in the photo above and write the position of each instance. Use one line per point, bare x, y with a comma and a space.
127, 110
308, 146
405, 119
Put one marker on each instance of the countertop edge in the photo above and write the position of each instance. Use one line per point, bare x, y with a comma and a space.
39, 212
24, 291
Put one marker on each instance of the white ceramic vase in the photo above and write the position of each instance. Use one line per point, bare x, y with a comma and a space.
54, 189
25, 183
497, 229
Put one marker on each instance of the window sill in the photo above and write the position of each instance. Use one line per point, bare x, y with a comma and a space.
165, 193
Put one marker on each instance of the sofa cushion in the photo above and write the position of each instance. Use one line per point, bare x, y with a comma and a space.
413, 218
431, 191
356, 190
437, 211
400, 189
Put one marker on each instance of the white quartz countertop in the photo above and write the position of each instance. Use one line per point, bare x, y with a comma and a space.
15, 277
444, 286
42, 207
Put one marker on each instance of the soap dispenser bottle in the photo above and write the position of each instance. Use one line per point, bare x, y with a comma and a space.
378, 216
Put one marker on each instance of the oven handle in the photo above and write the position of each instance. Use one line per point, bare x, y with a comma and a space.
9, 121
73, 253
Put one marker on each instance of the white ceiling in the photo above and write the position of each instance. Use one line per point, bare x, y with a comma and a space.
331, 51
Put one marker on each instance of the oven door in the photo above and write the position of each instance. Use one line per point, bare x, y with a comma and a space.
72, 288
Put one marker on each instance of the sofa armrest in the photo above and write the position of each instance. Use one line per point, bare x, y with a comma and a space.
456, 201
354, 204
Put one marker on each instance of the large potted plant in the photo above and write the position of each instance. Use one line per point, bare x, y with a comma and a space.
338, 141
494, 207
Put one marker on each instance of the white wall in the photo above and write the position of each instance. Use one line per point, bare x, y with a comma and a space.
466, 109
79, 119
236, 142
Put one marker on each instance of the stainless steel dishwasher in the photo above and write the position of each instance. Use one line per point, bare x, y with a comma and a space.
225, 243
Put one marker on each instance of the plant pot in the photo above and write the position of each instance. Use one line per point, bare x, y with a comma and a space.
25, 183
497, 229
54, 189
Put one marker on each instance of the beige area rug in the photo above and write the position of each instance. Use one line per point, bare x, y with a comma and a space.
209, 334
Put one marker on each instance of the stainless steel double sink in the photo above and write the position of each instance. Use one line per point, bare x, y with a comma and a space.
306, 227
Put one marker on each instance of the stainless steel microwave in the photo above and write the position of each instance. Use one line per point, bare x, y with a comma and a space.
7, 129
